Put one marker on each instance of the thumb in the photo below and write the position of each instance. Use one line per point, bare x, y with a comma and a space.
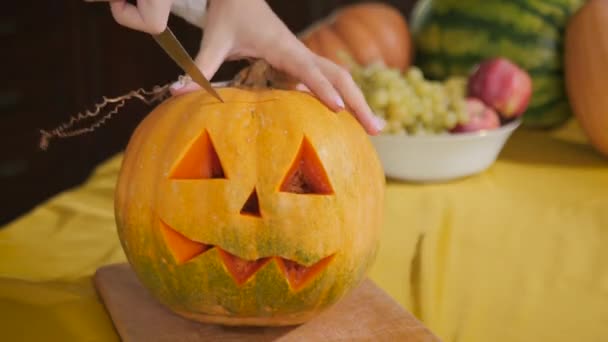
214, 50
208, 59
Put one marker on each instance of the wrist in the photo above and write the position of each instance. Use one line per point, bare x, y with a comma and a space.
192, 11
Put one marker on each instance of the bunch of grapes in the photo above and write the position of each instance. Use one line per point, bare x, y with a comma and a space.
409, 103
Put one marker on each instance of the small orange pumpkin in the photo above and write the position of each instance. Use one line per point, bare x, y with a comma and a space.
586, 60
263, 210
367, 32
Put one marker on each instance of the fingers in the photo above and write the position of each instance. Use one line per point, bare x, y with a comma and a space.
352, 94
302, 87
214, 50
212, 54
183, 85
148, 16
332, 84
300, 64
318, 84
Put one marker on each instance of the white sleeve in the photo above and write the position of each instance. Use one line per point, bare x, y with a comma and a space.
193, 11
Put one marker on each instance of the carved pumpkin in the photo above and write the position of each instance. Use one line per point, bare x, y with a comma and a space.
263, 210
367, 32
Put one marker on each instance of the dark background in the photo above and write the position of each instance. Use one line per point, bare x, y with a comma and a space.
60, 58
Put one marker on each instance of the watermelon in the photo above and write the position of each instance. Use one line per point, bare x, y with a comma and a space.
452, 36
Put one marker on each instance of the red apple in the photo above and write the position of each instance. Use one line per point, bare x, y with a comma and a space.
502, 85
481, 117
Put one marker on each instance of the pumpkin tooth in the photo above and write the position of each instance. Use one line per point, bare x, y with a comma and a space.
200, 161
182, 248
299, 275
307, 174
240, 269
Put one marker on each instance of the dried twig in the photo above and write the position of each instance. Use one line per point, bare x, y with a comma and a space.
65, 130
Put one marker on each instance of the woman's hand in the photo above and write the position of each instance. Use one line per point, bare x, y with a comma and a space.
236, 29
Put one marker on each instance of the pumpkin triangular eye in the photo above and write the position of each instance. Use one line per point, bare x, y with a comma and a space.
182, 248
306, 174
199, 162
252, 205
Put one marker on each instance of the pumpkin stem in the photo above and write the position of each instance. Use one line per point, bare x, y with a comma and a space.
261, 75
66, 130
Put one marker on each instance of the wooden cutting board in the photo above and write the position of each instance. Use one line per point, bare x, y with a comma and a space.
367, 314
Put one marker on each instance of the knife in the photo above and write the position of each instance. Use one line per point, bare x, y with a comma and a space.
176, 51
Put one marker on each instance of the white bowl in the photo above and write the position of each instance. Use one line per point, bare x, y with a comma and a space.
435, 158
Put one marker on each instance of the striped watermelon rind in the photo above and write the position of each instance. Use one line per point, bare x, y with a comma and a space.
452, 36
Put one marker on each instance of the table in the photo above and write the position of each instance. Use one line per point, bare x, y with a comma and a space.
519, 252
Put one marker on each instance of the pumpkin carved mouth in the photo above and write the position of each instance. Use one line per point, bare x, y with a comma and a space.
241, 270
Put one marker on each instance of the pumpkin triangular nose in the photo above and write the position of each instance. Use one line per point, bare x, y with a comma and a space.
251, 206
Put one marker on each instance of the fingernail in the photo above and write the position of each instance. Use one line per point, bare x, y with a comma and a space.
177, 85
340, 102
180, 83
379, 123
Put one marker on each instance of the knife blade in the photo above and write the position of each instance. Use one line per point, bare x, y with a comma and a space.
176, 51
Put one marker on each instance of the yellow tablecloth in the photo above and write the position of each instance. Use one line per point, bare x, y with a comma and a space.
518, 253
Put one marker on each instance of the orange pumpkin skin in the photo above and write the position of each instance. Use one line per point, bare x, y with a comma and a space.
586, 61
368, 32
263, 210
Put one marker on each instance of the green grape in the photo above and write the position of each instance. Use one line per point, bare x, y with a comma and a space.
411, 129
378, 98
456, 85
394, 93
439, 115
450, 120
427, 117
427, 105
400, 131
396, 111
411, 104
381, 78
435, 88
415, 104
463, 117
408, 119
393, 126
419, 129
458, 105
422, 89
438, 105
414, 75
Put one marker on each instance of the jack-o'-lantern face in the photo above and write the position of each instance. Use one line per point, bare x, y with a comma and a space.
262, 210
